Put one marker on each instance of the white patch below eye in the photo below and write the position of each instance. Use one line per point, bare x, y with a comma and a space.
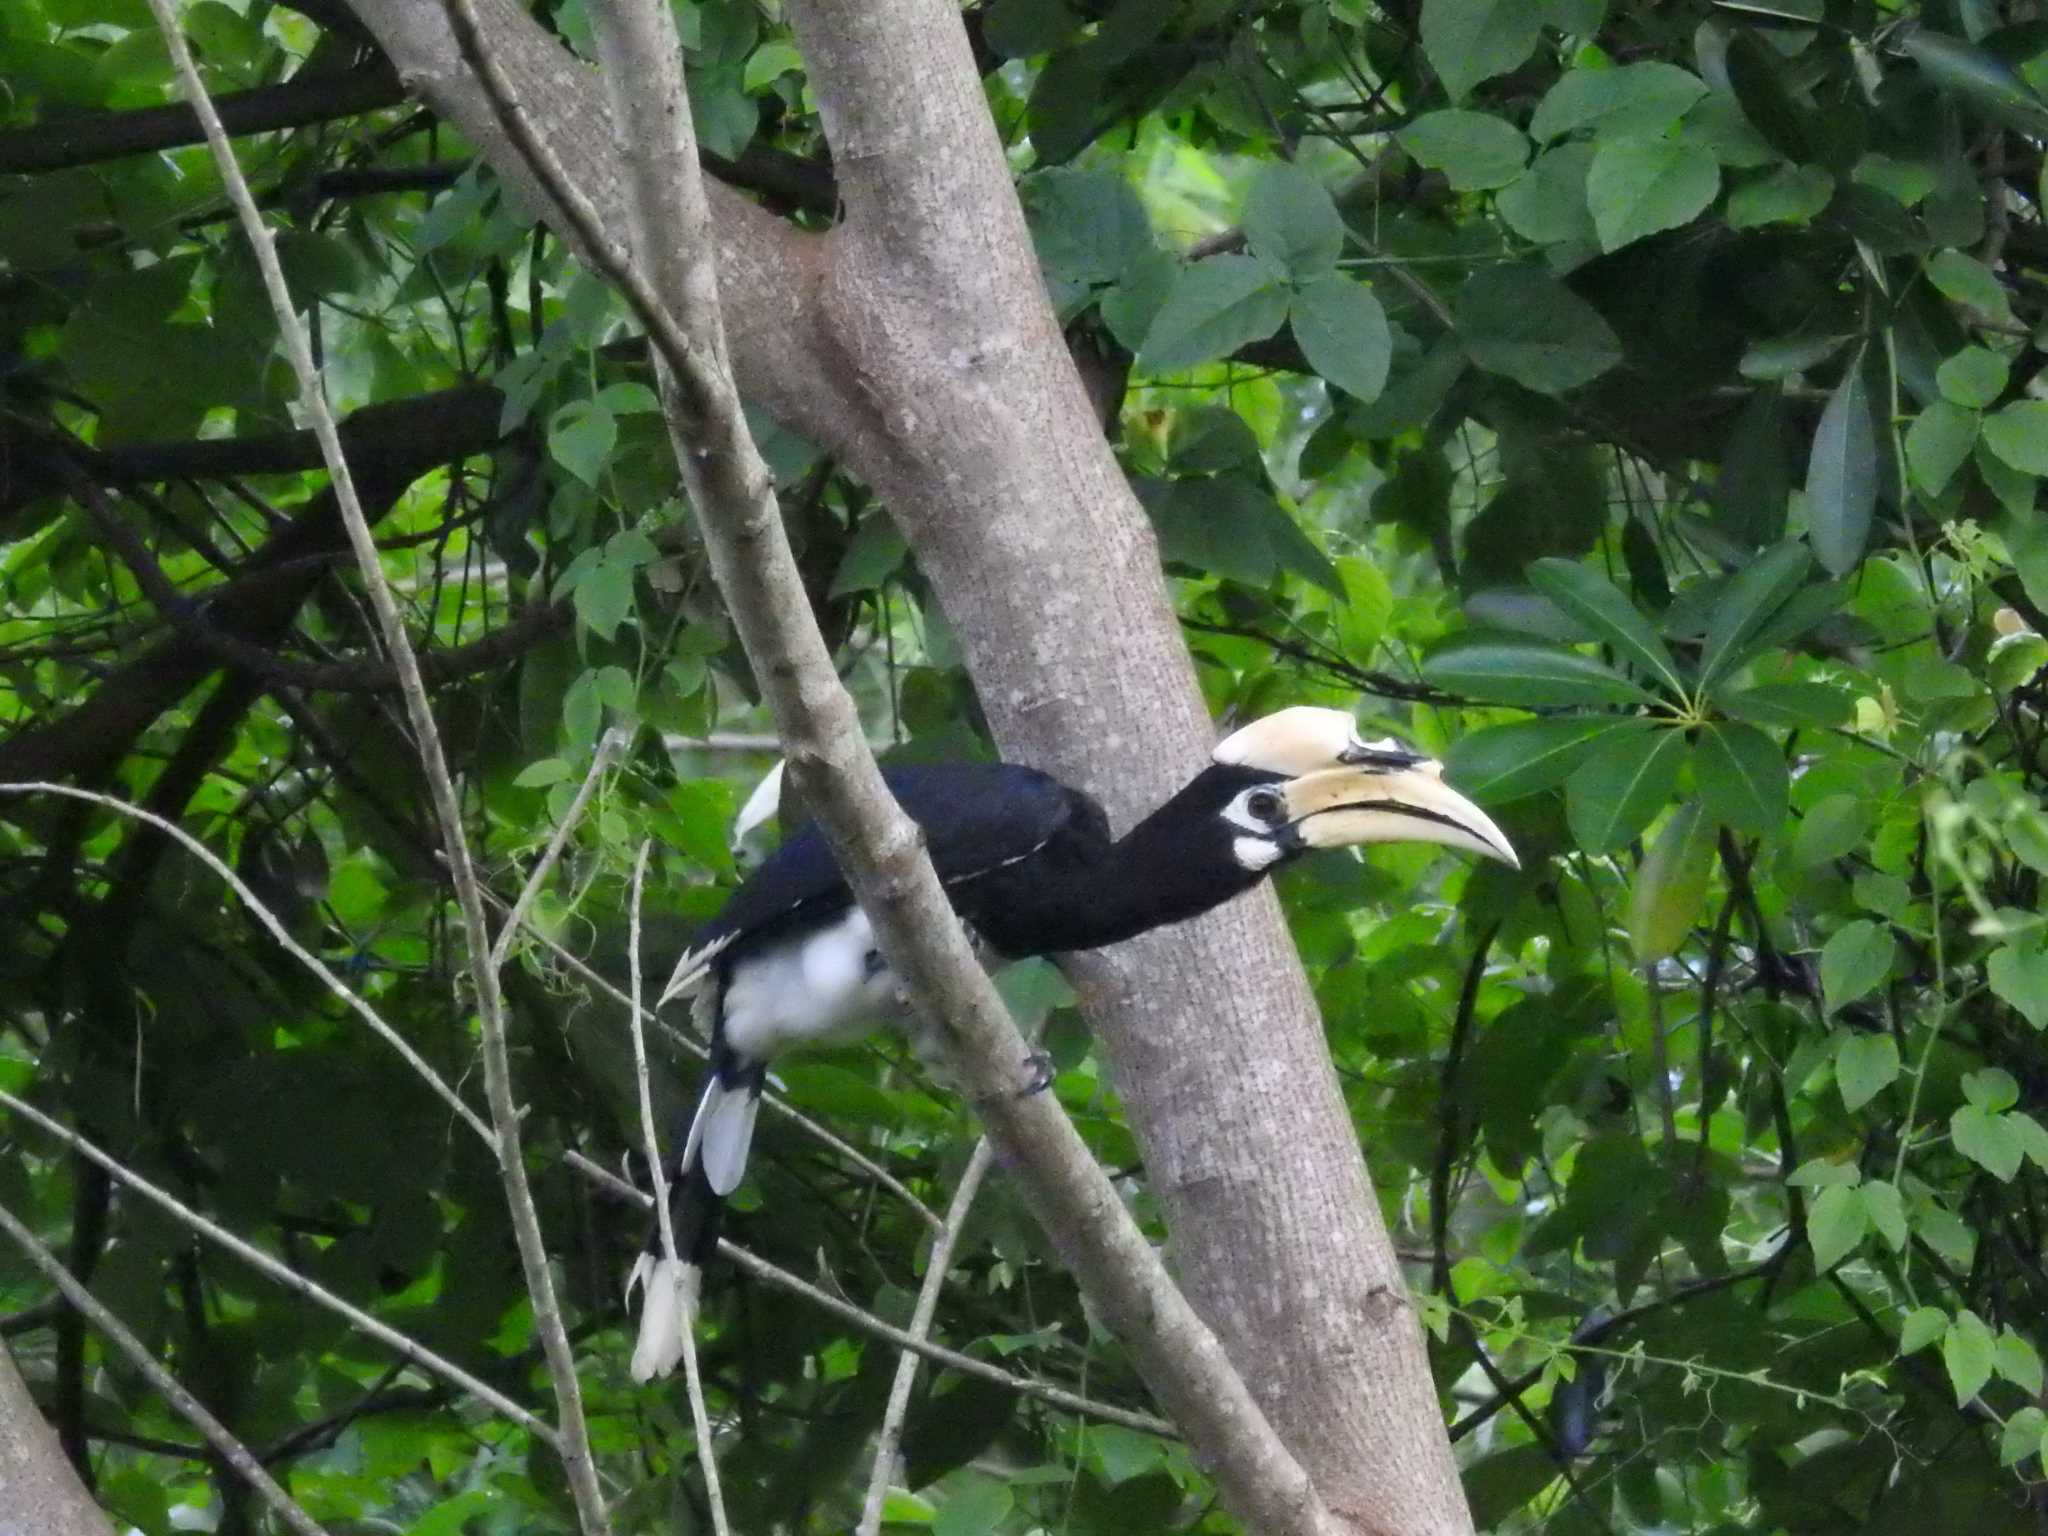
1255, 852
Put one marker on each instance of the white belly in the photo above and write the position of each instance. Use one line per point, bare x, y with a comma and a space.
817, 989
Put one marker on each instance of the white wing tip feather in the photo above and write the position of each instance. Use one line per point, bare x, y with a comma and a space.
691, 970
670, 1307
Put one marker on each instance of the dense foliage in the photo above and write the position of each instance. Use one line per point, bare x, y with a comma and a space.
1639, 405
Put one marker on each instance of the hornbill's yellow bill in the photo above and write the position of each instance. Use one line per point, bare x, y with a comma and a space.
1392, 797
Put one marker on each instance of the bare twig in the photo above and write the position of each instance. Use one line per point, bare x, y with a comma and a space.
283, 1274
574, 1442
608, 747
278, 931
771, 1274
890, 1436
143, 1358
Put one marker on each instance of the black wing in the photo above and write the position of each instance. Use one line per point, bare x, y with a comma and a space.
977, 817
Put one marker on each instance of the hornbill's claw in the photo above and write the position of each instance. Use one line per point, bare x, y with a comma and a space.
1042, 1074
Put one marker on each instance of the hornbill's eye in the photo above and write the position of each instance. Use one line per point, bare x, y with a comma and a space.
1264, 804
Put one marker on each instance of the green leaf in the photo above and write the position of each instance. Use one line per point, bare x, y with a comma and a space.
1612, 795
1978, 79
1671, 886
975, 1507
1968, 1352
1939, 443
1290, 221
1887, 1211
1511, 671
1742, 777
1547, 202
2018, 1362
1785, 194
1640, 187
1991, 1089
1973, 377
1751, 491
1635, 99
1476, 151
2033, 1136
1089, 226
1215, 307
604, 597
2022, 1435
1756, 73
2018, 973
1855, 962
1922, 1326
1967, 280
1820, 1173
875, 553
543, 772
1790, 705
2018, 434
1467, 41
1589, 598
1836, 1223
1231, 525
1833, 827
1522, 323
1752, 595
1507, 762
1865, 1065
1983, 1137
580, 438
1343, 333
1841, 476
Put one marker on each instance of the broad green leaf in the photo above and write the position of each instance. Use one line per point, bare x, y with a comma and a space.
1886, 895
1821, 1173
1507, 762
1983, 1137
2018, 1362
1742, 777
975, 1507
1887, 1210
1977, 78
1751, 491
1755, 592
542, 772
1790, 705
1780, 357
1585, 595
1467, 41
1756, 73
1836, 1223
1671, 886
1991, 1089
1547, 202
2033, 1136
1343, 333
1641, 187
1967, 280
1215, 307
1290, 221
1832, 828
2022, 1435
1855, 962
874, 554
1939, 443
2018, 973
1841, 475
580, 438
2018, 434
1973, 377
1923, 1325
1864, 1066
1089, 226
1523, 672
1635, 99
1231, 525
1968, 1352
1785, 194
604, 597
1521, 322
1612, 795
1476, 151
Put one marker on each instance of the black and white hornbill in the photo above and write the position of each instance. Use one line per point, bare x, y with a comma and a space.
1032, 870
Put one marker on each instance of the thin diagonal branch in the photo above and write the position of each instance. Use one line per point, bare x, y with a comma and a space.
231, 1451
410, 1348
574, 1443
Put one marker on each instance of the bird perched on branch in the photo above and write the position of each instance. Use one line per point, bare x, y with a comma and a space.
1031, 869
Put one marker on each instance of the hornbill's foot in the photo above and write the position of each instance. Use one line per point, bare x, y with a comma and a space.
1039, 1065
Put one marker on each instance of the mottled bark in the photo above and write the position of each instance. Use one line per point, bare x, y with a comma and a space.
39, 1493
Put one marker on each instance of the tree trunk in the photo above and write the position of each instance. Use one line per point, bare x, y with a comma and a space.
915, 340
39, 1493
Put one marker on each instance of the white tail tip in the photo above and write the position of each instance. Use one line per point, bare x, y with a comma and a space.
669, 1308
